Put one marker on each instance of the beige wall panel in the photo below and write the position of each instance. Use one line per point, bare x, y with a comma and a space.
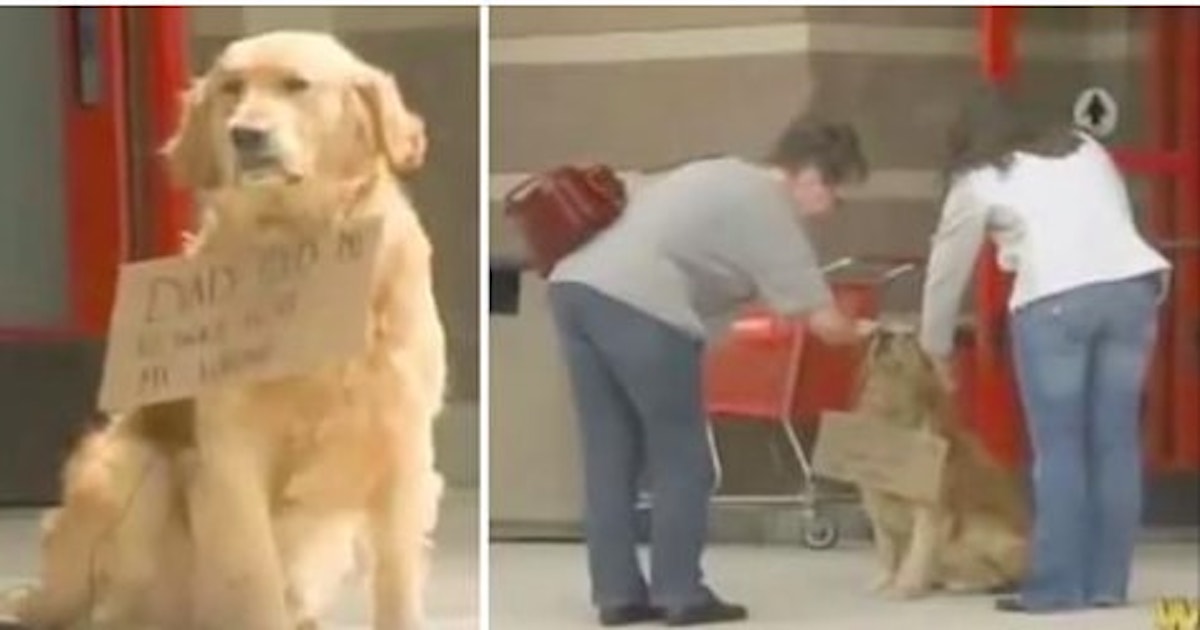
392, 19
214, 20
266, 18
642, 115
895, 15
523, 21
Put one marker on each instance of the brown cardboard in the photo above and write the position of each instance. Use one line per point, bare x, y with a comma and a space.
184, 324
880, 455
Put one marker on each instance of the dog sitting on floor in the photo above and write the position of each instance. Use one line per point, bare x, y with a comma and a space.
241, 509
974, 538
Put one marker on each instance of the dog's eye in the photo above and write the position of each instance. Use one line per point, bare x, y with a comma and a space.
294, 85
233, 87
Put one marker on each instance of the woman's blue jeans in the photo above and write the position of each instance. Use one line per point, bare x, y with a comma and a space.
638, 396
1081, 358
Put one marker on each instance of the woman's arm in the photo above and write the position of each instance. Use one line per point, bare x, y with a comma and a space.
956, 244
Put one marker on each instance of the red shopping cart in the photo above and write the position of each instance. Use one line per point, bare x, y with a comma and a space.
770, 369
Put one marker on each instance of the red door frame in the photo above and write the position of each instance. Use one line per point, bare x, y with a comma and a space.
996, 410
1185, 378
1174, 106
167, 38
97, 177
96, 149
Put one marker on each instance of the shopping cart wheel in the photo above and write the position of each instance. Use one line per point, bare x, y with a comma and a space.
820, 532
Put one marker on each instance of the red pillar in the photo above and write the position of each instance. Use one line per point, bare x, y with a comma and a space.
998, 38
96, 160
1185, 369
167, 42
1161, 82
994, 409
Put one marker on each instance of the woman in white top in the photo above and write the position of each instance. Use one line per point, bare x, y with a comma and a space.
1083, 326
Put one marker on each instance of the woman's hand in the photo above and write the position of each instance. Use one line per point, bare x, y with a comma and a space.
944, 368
835, 328
864, 328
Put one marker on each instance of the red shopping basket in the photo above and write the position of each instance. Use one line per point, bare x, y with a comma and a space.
750, 372
771, 367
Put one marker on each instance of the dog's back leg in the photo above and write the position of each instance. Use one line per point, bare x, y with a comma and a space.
403, 515
97, 543
985, 558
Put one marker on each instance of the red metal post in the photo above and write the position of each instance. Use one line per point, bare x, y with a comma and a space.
1164, 165
996, 414
96, 155
167, 70
998, 38
1185, 377
1136, 162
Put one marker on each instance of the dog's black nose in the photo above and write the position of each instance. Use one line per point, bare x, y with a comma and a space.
248, 139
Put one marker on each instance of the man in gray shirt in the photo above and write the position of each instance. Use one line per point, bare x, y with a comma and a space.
634, 308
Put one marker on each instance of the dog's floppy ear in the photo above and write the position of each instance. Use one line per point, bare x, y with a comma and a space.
399, 133
190, 152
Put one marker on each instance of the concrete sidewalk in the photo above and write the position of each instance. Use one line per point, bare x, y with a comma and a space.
453, 594
543, 586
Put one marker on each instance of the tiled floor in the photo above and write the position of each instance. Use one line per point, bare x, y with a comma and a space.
543, 586
454, 600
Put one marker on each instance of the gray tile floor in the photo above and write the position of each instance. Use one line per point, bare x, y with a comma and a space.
454, 590
543, 586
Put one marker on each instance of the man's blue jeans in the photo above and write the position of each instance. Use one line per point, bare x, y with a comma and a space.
1081, 358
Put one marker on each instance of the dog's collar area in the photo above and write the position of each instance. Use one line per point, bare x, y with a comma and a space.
898, 325
344, 198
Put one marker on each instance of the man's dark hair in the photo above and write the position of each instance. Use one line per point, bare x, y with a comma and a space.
832, 148
994, 122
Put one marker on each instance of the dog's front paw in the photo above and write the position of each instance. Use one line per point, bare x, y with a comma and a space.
882, 582
14, 603
903, 589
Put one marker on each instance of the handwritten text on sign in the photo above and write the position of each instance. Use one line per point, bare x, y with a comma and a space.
880, 455
183, 324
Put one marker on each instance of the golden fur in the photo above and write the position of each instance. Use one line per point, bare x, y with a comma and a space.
974, 538
241, 509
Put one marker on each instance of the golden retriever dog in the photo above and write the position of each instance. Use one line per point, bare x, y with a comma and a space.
243, 508
975, 536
